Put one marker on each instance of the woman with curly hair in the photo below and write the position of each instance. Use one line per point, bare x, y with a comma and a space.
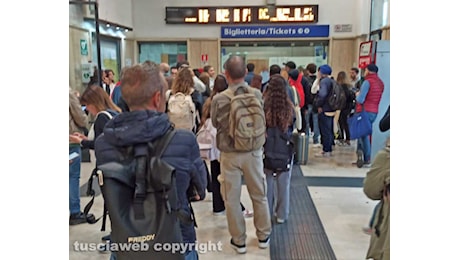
279, 114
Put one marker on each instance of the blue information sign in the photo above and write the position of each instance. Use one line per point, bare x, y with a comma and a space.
274, 31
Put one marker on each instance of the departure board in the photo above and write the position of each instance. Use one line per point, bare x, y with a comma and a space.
242, 15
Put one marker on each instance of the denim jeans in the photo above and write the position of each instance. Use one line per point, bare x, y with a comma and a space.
74, 180
374, 213
191, 255
326, 125
364, 143
278, 192
309, 114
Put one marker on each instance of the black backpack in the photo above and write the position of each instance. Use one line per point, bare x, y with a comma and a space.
337, 98
141, 198
278, 150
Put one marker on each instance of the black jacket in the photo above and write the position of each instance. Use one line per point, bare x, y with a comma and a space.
99, 124
182, 153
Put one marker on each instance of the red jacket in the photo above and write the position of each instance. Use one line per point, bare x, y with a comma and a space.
298, 86
372, 101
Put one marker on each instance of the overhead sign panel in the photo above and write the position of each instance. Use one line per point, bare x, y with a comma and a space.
242, 15
274, 31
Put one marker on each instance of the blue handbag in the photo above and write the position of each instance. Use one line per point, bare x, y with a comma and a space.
359, 125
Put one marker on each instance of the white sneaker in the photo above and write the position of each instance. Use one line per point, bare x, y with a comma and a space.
264, 243
318, 145
279, 220
238, 249
367, 165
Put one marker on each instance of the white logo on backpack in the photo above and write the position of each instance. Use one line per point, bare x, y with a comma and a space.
246, 119
181, 111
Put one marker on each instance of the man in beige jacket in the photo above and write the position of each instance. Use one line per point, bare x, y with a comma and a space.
77, 121
377, 187
235, 163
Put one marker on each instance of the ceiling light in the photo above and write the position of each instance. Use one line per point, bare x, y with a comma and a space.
126, 30
108, 25
118, 28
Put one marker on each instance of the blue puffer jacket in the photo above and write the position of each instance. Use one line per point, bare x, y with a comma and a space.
182, 153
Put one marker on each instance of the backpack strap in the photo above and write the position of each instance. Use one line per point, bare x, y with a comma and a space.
105, 113
90, 192
140, 191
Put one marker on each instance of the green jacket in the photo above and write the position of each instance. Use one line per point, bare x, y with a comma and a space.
375, 185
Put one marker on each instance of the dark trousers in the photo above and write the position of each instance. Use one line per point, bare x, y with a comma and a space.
217, 201
343, 123
326, 126
303, 112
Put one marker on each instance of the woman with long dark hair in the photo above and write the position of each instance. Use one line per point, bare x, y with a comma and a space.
344, 137
279, 113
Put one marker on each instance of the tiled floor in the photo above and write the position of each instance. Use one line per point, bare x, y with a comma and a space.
343, 212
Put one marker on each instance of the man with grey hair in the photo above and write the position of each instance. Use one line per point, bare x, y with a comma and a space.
236, 162
143, 87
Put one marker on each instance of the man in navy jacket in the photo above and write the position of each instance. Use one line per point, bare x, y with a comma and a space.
325, 112
143, 88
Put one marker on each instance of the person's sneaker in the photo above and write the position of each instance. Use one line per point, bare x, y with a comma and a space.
367, 165
239, 249
323, 154
318, 145
279, 220
77, 218
248, 213
219, 213
264, 243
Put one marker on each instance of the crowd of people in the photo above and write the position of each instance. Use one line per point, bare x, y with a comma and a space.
149, 99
